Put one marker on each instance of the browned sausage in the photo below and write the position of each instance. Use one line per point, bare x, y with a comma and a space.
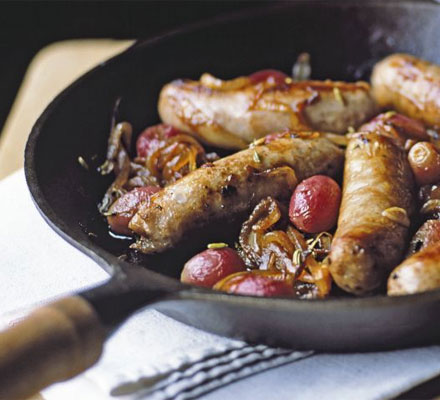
409, 85
231, 186
377, 201
427, 235
418, 273
231, 114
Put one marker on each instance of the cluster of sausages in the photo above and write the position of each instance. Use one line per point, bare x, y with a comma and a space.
390, 172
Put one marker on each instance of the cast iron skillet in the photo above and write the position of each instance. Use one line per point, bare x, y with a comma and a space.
344, 39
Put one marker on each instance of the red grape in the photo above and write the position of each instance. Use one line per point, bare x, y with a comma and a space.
152, 138
126, 206
314, 205
210, 266
405, 128
412, 128
271, 76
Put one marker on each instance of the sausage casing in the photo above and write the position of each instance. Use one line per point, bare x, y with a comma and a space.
377, 201
231, 114
231, 186
409, 85
427, 235
418, 273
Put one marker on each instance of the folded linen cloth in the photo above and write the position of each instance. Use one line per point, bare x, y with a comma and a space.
155, 357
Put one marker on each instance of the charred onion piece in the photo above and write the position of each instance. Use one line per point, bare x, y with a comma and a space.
118, 161
285, 252
262, 248
140, 176
318, 274
257, 283
178, 156
168, 154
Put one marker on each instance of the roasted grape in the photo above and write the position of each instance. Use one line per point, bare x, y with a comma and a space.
126, 206
314, 205
153, 137
210, 266
271, 76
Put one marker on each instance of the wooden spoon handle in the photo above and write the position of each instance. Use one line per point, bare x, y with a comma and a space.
54, 343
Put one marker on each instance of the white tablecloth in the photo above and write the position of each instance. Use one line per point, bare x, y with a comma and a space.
155, 357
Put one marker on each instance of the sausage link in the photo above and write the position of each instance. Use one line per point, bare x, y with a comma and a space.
231, 114
377, 201
230, 187
409, 85
427, 235
418, 273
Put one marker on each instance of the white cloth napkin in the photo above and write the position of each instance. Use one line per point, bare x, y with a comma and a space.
155, 357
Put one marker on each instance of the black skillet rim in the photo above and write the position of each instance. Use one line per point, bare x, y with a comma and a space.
114, 266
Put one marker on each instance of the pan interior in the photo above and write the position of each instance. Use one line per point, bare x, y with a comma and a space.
344, 41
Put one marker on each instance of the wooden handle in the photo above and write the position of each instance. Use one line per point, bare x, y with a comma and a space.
54, 343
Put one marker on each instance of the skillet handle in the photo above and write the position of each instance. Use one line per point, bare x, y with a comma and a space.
54, 343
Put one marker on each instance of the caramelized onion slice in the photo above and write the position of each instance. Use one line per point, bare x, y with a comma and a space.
176, 157
173, 156
257, 283
118, 161
317, 273
266, 245
265, 215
